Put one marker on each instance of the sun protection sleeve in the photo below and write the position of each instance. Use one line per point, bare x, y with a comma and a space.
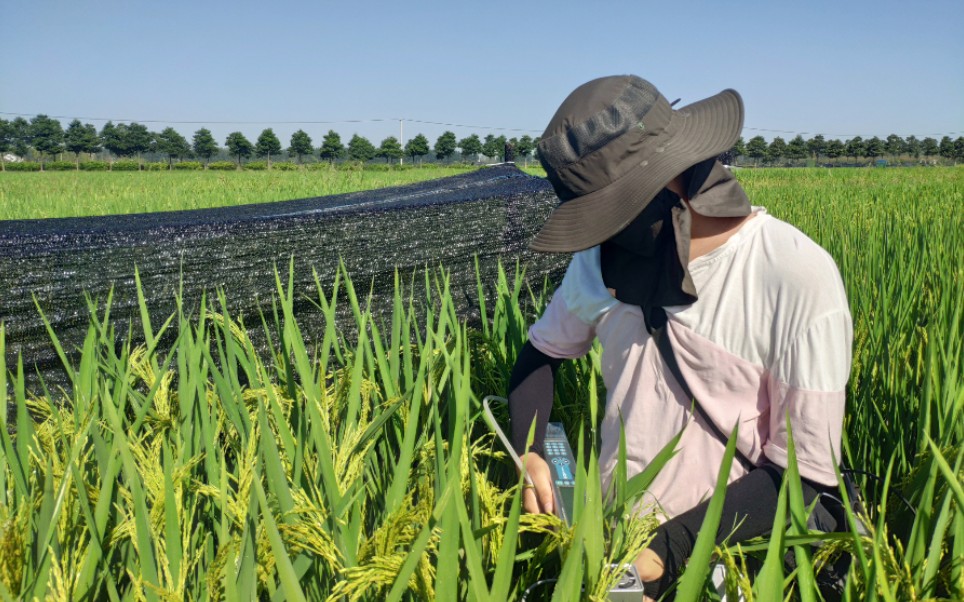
747, 512
530, 396
565, 330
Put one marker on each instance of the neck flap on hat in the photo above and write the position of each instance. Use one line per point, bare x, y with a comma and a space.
645, 263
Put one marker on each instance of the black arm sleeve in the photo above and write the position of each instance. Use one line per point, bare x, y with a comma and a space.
748, 511
530, 396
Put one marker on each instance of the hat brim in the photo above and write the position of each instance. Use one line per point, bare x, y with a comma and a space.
705, 129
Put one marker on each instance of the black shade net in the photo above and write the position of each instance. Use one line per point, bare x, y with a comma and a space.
490, 214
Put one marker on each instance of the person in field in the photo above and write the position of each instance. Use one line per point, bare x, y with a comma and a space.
666, 241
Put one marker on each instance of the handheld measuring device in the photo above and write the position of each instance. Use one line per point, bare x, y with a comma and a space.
562, 466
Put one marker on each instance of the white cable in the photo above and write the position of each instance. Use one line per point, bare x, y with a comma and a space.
490, 418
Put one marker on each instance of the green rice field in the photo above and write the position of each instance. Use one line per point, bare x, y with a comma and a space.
33, 195
190, 467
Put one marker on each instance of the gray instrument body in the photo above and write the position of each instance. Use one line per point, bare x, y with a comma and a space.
562, 465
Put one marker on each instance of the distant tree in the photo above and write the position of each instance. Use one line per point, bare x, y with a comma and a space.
331, 147
6, 142
361, 149
510, 151
20, 133
138, 139
301, 145
946, 148
172, 144
524, 148
488, 146
493, 147
756, 149
929, 148
797, 148
390, 149
47, 135
501, 142
267, 145
959, 149
835, 149
874, 148
204, 145
112, 139
739, 149
81, 138
855, 148
912, 147
445, 146
777, 149
417, 147
817, 146
239, 146
73, 136
894, 146
471, 146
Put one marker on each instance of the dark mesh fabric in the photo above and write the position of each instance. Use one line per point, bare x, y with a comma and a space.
492, 213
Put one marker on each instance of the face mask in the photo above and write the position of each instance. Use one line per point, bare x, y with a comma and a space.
645, 264
645, 234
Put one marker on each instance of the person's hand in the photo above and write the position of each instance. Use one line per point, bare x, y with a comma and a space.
650, 567
537, 498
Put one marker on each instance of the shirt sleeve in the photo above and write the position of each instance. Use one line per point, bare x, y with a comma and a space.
568, 327
808, 385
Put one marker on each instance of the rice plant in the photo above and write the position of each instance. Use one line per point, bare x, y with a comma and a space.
182, 464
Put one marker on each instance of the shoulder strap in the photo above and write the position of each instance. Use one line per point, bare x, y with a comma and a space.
666, 351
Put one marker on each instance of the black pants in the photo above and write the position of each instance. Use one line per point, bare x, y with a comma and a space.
748, 511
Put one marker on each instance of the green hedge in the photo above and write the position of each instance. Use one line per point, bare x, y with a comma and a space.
125, 165
22, 166
256, 166
223, 166
157, 166
60, 166
284, 166
189, 166
94, 166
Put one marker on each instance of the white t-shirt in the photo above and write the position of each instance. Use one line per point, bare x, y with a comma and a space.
769, 336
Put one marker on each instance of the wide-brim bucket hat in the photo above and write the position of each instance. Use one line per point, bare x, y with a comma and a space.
613, 144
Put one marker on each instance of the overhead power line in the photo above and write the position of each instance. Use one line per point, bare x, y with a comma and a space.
406, 119
211, 121
280, 122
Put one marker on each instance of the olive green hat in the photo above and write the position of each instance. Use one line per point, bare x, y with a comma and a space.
613, 144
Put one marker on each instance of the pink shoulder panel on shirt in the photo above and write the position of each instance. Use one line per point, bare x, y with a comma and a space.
729, 388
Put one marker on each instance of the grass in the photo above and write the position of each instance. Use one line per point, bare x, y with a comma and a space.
360, 469
74, 194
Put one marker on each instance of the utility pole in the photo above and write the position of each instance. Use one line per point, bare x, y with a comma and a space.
401, 138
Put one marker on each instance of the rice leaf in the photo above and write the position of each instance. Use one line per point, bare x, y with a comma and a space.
400, 585
286, 573
691, 583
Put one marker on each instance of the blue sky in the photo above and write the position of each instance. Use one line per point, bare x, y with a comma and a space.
837, 68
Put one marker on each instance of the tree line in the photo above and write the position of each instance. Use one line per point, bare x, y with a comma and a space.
46, 137
778, 150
